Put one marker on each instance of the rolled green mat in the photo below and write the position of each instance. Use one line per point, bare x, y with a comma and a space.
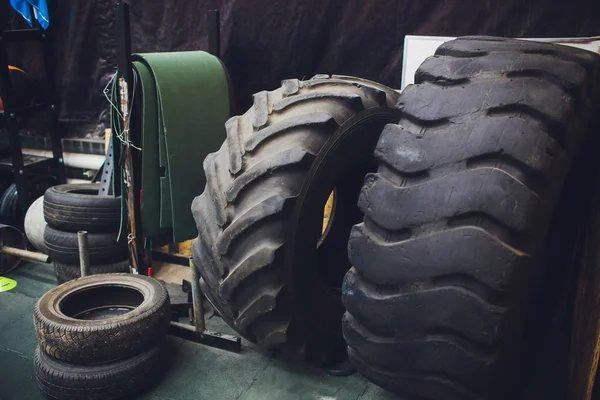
183, 102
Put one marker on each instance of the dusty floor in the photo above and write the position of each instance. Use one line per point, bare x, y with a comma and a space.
194, 371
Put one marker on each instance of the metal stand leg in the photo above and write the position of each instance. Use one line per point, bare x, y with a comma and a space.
84, 255
197, 300
198, 333
107, 171
52, 98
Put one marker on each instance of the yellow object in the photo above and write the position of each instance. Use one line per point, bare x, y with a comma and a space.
327, 212
185, 248
7, 284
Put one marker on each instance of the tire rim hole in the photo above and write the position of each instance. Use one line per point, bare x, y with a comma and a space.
101, 302
339, 214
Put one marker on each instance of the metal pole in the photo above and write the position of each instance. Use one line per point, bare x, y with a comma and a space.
30, 255
198, 332
130, 157
84, 255
197, 299
52, 98
123, 44
214, 33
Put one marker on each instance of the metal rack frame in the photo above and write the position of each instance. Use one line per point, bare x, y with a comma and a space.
21, 167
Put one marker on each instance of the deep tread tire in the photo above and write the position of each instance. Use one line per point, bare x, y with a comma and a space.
103, 247
456, 216
84, 341
244, 215
76, 207
115, 380
68, 272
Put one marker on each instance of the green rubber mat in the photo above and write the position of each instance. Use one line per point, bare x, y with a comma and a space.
183, 98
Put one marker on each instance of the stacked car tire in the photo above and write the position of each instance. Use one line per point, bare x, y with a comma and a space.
71, 208
101, 336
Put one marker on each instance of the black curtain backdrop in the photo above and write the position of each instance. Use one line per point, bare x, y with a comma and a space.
265, 41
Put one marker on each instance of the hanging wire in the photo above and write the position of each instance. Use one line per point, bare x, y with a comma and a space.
108, 97
122, 132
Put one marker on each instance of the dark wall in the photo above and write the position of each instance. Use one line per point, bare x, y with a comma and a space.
265, 41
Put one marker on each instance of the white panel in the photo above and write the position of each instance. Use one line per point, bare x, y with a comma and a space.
418, 48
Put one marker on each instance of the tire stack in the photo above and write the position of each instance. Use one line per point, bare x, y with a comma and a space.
78, 207
101, 337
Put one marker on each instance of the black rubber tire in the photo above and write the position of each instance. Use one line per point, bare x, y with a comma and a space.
77, 207
68, 272
261, 185
64, 336
103, 247
457, 214
10, 211
115, 380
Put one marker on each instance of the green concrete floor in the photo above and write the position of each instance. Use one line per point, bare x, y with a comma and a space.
194, 371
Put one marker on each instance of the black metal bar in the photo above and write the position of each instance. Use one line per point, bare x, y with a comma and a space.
123, 43
171, 258
213, 339
214, 33
98, 172
27, 110
5, 86
123, 55
22, 35
52, 99
181, 308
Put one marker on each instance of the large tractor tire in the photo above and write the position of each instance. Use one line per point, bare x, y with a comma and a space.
265, 265
452, 244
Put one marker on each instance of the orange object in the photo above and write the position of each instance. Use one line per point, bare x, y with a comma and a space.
12, 67
16, 69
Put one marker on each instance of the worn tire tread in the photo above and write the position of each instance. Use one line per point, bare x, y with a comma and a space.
116, 380
252, 183
457, 211
67, 272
